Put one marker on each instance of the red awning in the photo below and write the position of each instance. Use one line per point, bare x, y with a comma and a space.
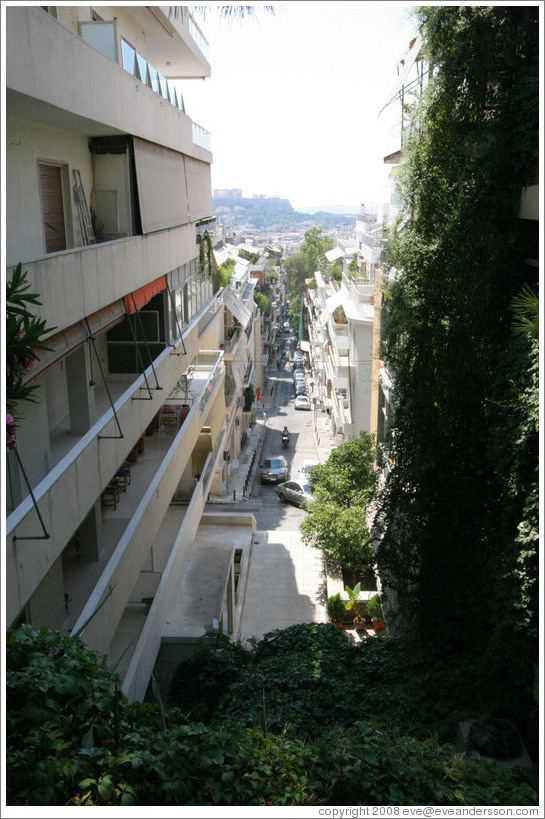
145, 294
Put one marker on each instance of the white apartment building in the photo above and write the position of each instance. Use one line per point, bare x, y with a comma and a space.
341, 328
140, 402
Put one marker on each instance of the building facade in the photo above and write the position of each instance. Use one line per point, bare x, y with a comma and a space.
139, 405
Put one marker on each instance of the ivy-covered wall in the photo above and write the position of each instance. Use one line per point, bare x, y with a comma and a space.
459, 513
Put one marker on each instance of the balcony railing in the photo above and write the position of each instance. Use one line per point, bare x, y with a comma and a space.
198, 37
140, 68
202, 137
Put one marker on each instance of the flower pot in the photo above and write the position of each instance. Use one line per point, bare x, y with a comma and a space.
338, 623
378, 624
359, 625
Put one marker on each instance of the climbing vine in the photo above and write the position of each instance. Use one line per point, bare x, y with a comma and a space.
458, 515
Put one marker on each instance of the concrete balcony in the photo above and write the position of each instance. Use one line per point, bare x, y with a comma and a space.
108, 100
128, 578
76, 483
76, 283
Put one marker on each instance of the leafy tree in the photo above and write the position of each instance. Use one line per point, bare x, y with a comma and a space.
336, 273
226, 270
302, 265
262, 302
343, 487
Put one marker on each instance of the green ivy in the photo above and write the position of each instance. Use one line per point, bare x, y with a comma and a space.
342, 724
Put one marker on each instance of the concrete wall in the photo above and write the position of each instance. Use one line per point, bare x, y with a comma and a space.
361, 355
75, 283
27, 143
143, 661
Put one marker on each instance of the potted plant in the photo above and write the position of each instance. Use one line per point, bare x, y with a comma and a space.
357, 605
374, 610
336, 610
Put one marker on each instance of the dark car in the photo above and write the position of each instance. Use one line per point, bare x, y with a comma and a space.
300, 389
273, 470
295, 492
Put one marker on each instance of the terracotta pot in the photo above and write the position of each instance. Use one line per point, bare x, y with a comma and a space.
338, 623
359, 625
378, 624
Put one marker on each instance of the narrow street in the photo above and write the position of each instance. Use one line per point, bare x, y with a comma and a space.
264, 503
286, 582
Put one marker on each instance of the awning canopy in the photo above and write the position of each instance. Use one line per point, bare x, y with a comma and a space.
331, 305
140, 297
237, 308
333, 255
410, 59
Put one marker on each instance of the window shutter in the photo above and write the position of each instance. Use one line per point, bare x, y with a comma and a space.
52, 208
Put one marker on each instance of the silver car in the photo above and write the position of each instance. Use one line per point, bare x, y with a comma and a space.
294, 492
273, 470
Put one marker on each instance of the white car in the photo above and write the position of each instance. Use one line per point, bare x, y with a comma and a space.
301, 403
297, 492
306, 465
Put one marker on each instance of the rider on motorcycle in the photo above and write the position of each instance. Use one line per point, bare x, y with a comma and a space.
285, 436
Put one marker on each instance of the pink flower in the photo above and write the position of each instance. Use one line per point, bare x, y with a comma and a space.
20, 335
10, 421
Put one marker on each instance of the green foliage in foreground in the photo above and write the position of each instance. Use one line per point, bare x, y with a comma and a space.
72, 739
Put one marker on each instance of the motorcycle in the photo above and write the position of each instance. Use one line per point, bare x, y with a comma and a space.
286, 440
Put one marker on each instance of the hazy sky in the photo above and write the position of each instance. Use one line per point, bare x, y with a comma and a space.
294, 98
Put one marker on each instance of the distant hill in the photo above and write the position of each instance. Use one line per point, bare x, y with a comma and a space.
339, 209
273, 212
254, 205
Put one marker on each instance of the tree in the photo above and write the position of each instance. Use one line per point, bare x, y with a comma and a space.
302, 265
262, 302
226, 272
343, 487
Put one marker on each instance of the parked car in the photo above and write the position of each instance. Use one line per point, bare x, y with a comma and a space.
297, 492
302, 403
273, 470
300, 389
305, 467
299, 374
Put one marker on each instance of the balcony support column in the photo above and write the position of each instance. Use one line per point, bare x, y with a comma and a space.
81, 397
88, 534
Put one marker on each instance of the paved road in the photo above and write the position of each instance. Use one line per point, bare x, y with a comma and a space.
286, 580
264, 503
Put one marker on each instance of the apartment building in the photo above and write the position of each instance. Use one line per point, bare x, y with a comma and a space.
139, 405
341, 331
